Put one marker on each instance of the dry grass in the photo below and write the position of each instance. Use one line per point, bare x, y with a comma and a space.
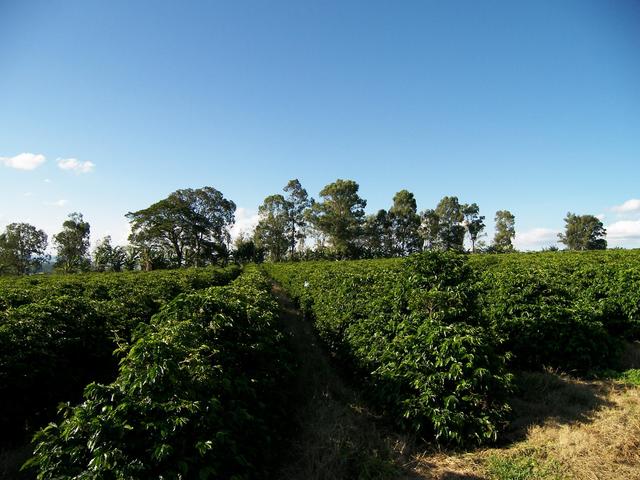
591, 432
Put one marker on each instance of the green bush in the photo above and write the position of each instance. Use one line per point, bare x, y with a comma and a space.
407, 329
58, 333
200, 394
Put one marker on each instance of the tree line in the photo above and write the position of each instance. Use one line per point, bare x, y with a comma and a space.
191, 227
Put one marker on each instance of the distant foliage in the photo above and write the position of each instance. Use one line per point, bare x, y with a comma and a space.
22, 249
505, 232
189, 227
583, 232
72, 245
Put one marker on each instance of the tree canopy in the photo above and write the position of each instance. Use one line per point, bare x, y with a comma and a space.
505, 231
22, 249
72, 244
272, 232
583, 232
190, 227
340, 215
405, 223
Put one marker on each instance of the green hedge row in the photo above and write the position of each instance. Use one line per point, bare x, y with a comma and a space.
403, 322
605, 282
411, 332
566, 310
58, 333
200, 394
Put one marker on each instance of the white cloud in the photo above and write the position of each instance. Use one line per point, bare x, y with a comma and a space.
601, 216
75, 165
47, 180
624, 230
624, 233
630, 206
57, 203
24, 161
246, 221
536, 239
118, 231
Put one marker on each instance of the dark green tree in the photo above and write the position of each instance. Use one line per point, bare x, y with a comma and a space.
272, 232
108, 257
72, 245
405, 223
246, 251
473, 222
429, 229
340, 216
583, 232
450, 228
22, 249
378, 241
131, 257
297, 203
505, 231
190, 226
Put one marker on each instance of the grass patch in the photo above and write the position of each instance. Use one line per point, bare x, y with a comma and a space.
627, 377
523, 467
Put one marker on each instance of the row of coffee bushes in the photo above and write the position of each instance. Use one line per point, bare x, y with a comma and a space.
201, 393
568, 311
605, 283
410, 331
58, 333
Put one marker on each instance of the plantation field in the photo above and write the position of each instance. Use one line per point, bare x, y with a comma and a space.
59, 332
432, 366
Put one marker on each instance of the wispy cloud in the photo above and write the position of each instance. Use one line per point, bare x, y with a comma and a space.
57, 203
47, 180
630, 206
75, 165
536, 239
24, 161
246, 221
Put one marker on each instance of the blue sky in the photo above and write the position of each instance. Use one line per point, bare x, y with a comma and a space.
532, 106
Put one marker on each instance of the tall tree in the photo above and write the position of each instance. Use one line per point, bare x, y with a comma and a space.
473, 222
378, 235
72, 244
450, 228
108, 257
272, 232
22, 248
429, 228
340, 216
505, 231
583, 232
405, 223
297, 203
191, 225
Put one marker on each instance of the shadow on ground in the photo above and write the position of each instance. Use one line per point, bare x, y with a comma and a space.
544, 397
